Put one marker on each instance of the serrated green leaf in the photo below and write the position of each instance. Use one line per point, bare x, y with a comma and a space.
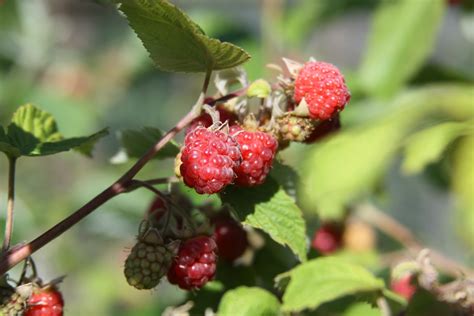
428, 145
270, 209
325, 279
176, 43
249, 301
136, 143
84, 144
403, 33
463, 186
5, 145
33, 132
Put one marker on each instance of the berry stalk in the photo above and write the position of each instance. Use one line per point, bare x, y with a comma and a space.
10, 206
21, 252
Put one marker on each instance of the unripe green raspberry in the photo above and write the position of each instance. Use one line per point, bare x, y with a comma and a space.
148, 261
13, 302
294, 128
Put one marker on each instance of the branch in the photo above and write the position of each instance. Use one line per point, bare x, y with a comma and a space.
11, 204
21, 252
402, 234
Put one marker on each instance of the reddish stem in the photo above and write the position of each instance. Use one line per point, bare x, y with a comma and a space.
21, 252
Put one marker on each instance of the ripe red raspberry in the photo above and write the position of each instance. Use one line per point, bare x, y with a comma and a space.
324, 129
328, 238
230, 237
208, 160
205, 120
195, 263
404, 286
258, 150
45, 302
323, 87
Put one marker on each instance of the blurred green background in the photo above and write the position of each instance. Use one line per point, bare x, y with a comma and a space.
81, 62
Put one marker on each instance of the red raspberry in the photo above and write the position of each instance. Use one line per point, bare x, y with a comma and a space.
157, 209
323, 87
208, 160
324, 129
230, 237
205, 120
45, 302
404, 286
258, 150
195, 263
328, 238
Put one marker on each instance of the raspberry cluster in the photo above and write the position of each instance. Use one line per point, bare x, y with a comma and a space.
233, 150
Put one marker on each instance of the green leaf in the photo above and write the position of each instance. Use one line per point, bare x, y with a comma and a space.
403, 33
270, 209
33, 132
84, 145
347, 167
362, 309
368, 259
136, 143
174, 42
463, 186
428, 145
322, 280
249, 301
5, 145
394, 297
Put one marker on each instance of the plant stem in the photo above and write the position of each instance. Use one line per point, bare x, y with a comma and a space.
383, 306
20, 253
10, 205
402, 234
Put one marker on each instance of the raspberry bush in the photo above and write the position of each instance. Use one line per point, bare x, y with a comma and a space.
277, 192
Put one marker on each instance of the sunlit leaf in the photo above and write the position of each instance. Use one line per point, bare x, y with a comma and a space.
33, 132
174, 42
269, 208
428, 145
403, 33
249, 301
322, 280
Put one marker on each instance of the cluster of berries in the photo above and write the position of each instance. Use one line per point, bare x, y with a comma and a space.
31, 297
212, 158
222, 148
189, 260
